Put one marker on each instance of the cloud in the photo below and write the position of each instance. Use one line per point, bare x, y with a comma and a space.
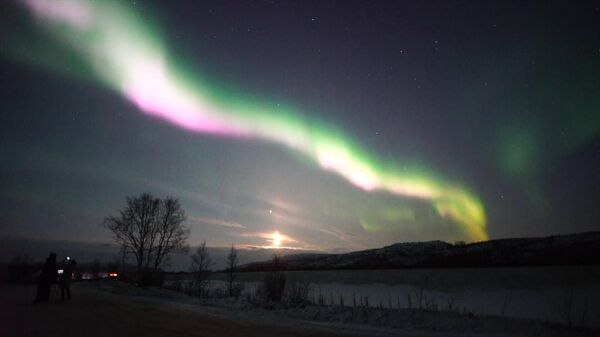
287, 242
216, 222
346, 237
282, 205
268, 236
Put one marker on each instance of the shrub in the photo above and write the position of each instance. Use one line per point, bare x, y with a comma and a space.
297, 294
274, 282
237, 289
152, 278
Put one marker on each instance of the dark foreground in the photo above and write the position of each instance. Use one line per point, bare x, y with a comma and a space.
94, 312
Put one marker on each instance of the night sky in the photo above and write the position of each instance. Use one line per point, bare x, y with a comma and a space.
339, 124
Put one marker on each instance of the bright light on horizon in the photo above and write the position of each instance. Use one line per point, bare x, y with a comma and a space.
276, 239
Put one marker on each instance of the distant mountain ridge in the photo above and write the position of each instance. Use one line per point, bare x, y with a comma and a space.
573, 249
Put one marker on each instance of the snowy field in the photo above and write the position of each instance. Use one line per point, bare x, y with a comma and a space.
566, 295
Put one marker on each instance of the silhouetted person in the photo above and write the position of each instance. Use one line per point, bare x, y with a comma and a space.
47, 278
64, 279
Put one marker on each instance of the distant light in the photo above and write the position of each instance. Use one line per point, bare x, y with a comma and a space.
270, 211
68, 258
276, 239
112, 275
60, 271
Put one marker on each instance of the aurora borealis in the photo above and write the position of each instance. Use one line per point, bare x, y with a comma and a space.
403, 188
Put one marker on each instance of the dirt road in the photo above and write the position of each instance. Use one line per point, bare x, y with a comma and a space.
93, 313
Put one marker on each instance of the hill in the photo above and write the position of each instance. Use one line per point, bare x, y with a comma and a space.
574, 249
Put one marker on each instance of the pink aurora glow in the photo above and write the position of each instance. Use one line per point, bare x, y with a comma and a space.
71, 12
127, 57
154, 93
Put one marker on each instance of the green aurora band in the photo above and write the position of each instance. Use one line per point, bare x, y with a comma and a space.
115, 46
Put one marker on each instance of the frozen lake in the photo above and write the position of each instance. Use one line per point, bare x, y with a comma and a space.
558, 294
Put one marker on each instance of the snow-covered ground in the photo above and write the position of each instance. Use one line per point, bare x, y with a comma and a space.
119, 309
362, 321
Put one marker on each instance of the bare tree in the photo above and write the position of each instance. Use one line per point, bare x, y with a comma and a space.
274, 282
201, 263
150, 229
232, 261
170, 233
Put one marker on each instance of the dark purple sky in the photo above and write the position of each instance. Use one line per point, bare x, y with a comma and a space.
499, 96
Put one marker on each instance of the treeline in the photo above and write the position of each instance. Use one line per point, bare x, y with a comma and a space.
23, 269
272, 289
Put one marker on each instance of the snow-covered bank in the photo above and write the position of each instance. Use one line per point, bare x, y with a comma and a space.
418, 320
556, 294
